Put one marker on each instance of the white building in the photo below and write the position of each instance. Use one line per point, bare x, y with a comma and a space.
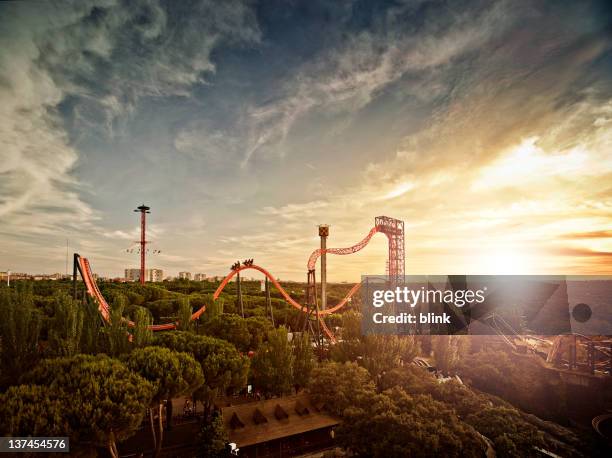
157, 275
184, 275
151, 275
199, 277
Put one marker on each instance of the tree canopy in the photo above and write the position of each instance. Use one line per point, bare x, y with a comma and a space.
273, 364
377, 353
230, 327
171, 373
102, 400
20, 328
223, 367
33, 410
339, 385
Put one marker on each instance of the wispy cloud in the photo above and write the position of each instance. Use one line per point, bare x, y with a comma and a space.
485, 128
346, 79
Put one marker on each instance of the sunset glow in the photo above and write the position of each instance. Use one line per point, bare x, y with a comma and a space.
487, 132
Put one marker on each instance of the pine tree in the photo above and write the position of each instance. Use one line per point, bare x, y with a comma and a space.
273, 364
92, 327
20, 326
171, 373
102, 401
184, 315
142, 334
223, 367
66, 326
212, 438
303, 360
118, 338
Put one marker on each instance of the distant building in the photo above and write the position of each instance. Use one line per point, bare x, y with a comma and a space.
184, 275
151, 275
157, 275
199, 277
56, 276
4, 276
132, 274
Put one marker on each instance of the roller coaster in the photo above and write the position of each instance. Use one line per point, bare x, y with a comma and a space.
392, 228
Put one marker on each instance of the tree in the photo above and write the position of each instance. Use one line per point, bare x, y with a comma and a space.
66, 326
340, 385
512, 436
184, 316
273, 364
171, 373
212, 438
511, 430
91, 333
118, 342
395, 423
258, 327
142, 334
448, 350
162, 308
377, 353
223, 367
230, 327
104, 401
303, 360
383, 353
33, 410
524, 382
392, 423
213, 307
20, 327
135, 298
412, 379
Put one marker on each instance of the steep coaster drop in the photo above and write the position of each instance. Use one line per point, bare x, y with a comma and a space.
392, 228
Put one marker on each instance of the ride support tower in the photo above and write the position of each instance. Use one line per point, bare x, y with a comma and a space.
323, 234
394, 230
143, 209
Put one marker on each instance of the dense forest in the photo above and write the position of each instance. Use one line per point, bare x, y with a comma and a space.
65, 372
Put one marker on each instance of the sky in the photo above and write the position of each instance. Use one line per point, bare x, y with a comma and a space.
485, 126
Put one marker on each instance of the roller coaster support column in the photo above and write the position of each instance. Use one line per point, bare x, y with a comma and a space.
323, 233
75, 268
312, 308
74, 274
239, 294
269, 302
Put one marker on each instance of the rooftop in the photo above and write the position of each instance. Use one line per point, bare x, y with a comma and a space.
262, 421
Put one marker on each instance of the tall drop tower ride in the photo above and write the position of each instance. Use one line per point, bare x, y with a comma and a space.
323, 233
143, 209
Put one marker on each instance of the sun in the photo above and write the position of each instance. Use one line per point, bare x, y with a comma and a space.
503, 262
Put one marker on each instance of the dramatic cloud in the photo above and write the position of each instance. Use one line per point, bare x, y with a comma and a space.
82, 68
485, 127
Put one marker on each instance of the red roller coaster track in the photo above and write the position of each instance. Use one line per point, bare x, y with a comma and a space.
394, 229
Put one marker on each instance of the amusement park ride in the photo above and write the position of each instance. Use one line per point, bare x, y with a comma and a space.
597, 353
392, 228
